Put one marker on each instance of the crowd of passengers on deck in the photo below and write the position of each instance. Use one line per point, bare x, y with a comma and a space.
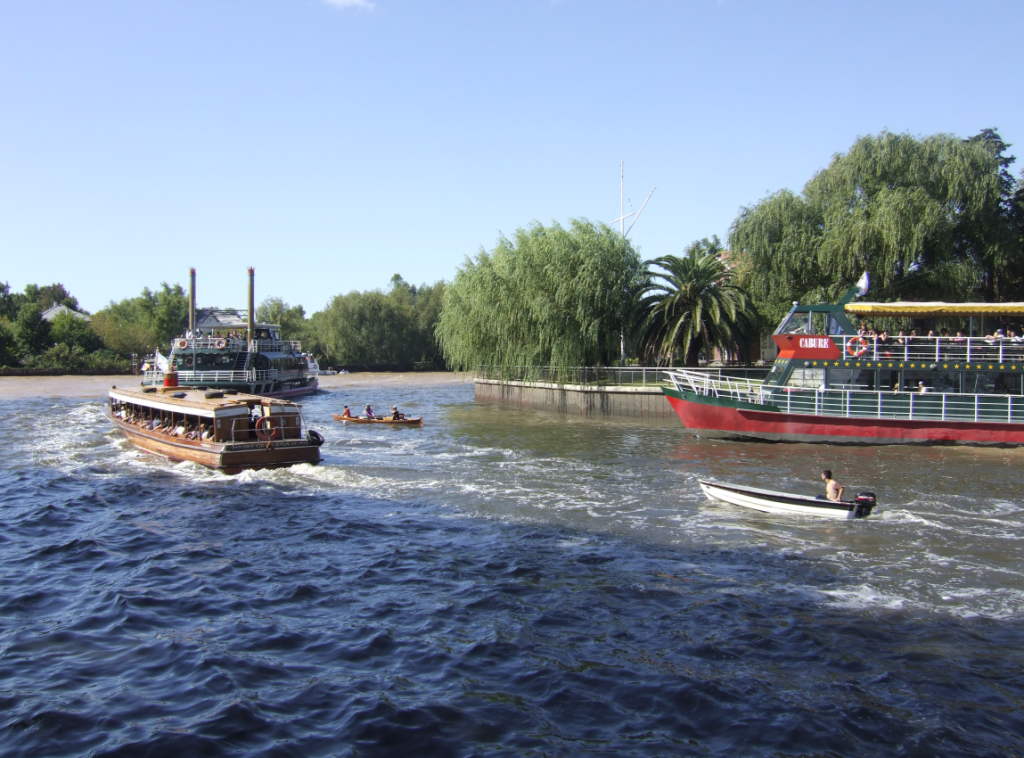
183, 428
1004, 340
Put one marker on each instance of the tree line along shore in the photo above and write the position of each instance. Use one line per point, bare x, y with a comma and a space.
937, 217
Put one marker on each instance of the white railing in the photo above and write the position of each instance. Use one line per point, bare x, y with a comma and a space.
930, 349
859, 403
236, 343
270, 429
276, 346
213, 377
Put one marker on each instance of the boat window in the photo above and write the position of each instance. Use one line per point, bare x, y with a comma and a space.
807, 377
215, 361
796, 323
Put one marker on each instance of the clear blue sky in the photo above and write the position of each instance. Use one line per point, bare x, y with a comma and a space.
331, 144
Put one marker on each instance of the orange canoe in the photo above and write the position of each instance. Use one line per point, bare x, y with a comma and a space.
418, 421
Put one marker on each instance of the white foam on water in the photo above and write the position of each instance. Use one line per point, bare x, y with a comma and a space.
864, 596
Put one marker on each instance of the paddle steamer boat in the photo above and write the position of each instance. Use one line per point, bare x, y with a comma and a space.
226, 350
224, 430
831, 384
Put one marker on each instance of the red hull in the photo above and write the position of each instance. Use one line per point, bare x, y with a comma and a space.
726, 420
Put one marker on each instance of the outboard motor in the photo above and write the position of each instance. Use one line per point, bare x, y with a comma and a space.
863, 503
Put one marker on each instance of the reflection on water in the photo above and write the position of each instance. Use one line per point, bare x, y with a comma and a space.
500, 582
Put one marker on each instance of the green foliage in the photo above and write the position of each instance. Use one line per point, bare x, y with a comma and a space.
31, 331
44, 297
377, 330
291, 318
142, 324
924, 216
72, 330
548, 296
73, 359
8, 355
691, 305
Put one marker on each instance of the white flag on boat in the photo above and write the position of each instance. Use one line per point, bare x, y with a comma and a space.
161, 361
862, 285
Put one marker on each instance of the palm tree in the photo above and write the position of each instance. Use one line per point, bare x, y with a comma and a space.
691, 305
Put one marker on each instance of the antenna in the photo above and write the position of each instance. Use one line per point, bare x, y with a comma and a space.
635, 215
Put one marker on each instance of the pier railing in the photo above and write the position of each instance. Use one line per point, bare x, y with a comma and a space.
855, 403
651, 376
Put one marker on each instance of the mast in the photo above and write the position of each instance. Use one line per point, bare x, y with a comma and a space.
192, 303
252, 307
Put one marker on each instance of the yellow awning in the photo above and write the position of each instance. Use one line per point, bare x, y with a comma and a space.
926, 310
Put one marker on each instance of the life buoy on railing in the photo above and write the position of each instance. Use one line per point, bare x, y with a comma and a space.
264, 430
220, 343
857, 346
182, 344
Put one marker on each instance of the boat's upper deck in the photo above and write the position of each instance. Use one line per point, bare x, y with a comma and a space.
202, 402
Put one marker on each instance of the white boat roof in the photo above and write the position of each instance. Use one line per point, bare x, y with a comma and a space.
194, 401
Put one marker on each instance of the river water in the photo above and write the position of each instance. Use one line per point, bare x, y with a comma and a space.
500, 583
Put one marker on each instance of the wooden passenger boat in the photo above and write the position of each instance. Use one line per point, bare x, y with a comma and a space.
831, 384
418, 421
769, 501
224, 430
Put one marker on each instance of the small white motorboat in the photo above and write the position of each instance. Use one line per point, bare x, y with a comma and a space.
769, 501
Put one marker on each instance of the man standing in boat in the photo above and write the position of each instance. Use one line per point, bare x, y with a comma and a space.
833, 489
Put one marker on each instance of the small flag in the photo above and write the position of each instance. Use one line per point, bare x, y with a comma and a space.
862, 285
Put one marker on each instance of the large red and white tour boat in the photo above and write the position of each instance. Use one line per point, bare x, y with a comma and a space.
832, 382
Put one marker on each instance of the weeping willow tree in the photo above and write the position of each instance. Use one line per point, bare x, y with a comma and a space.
691, 304
926, 217
549, 296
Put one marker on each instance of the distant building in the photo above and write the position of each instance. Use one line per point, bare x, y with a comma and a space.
55, 310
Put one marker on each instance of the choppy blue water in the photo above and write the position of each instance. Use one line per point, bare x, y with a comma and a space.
500, 584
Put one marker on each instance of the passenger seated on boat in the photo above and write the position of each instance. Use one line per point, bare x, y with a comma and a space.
395, 415
346, 412
833, 489
179, 431
368, 412
206, 432
921, 387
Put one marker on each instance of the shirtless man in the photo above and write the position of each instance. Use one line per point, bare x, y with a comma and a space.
833, 489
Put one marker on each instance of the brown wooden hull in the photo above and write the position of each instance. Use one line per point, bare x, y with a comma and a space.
228, 457
418, 421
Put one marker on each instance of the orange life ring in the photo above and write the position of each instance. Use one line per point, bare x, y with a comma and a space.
264, 432
857, 346
220, 344
182, 344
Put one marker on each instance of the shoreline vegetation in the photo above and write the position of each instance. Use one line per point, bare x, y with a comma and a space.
81, 385
933, 218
